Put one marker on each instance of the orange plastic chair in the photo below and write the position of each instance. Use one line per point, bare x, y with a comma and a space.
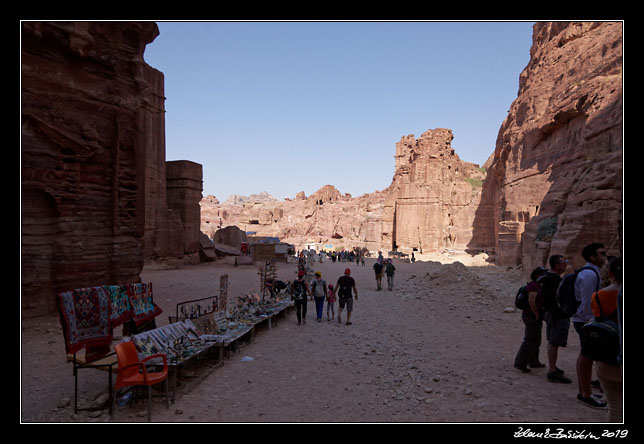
133, 372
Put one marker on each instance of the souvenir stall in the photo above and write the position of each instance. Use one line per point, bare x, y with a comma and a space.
88, 317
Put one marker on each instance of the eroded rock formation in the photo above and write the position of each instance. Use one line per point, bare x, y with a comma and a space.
554, 183
83, 88
429, 205
434, 194
94, 202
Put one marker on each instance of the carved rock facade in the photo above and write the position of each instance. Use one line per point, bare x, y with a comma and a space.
94, 202
554, 183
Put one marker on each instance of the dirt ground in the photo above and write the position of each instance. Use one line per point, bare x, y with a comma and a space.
438, 348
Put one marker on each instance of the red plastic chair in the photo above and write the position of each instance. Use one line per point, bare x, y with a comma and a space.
133, 372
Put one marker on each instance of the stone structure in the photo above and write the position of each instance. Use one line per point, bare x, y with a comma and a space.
554, 182
433, 193
94, 201
184, 186
430, 206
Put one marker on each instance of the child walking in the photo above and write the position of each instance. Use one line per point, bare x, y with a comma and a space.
330, 298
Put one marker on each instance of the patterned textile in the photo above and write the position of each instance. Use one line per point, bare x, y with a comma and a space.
121, 310
85, 318
143, 308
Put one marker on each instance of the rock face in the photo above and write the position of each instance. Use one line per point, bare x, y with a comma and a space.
430, 206
83, 90
554, 182
184, 185
434, 194
94, 201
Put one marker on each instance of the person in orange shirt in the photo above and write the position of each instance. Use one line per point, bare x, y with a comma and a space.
610, 376
604, 302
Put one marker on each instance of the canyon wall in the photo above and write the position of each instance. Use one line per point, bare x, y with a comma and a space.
93, 182
554, 182
552, 185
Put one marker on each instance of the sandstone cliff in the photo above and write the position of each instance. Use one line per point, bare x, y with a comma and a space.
429, 206
97, 198
554, 183
83, 104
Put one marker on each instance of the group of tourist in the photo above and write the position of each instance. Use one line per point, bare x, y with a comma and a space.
598, 292
310, 256
388, 268
320, 292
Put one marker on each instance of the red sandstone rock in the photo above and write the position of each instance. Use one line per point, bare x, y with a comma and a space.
559, 151
430, 205
95, 199
84, 94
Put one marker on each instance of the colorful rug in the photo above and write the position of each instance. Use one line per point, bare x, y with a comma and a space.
121, 310
143, 307
85, 318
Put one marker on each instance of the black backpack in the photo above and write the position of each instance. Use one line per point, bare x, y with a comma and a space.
521, 299
566, 292
601, 339
299, 292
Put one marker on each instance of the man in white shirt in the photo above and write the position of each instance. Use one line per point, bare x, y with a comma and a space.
587, 283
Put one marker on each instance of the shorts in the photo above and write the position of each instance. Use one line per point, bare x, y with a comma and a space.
346, 301
557, 330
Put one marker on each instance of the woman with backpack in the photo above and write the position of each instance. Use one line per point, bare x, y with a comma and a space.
319, 291
532, 317
605, 305
300, 293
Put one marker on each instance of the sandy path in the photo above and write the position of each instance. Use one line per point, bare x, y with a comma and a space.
439, 348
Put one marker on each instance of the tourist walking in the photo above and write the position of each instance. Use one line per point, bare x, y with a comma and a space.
377, 267
557, 322
330, 303
532, 317
299, 294
319, 290
606, 304
345, 285
588, 281
389, 271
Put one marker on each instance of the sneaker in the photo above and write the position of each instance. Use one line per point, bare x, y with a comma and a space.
523, 369
592, 402
558, 377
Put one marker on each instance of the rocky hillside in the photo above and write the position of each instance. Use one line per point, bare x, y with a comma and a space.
429, 205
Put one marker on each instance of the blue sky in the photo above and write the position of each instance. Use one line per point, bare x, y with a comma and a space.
285, 107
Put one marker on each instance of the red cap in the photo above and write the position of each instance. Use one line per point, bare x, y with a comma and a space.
300, 273
347, 271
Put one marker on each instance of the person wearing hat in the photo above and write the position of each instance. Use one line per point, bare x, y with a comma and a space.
344, 286
319, 290
299, 293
